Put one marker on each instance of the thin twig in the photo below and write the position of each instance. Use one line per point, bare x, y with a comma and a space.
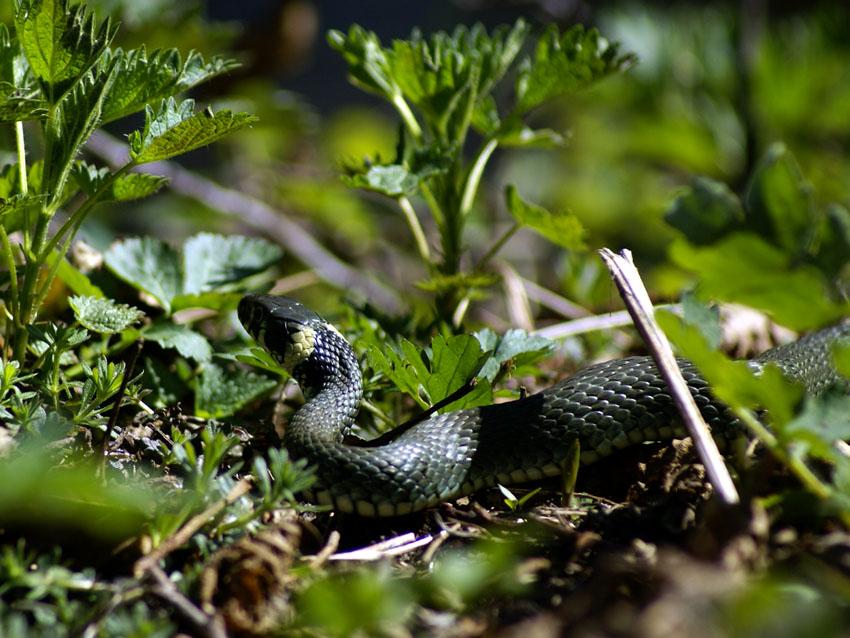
209, 625
189, 529
640, 308
395, 546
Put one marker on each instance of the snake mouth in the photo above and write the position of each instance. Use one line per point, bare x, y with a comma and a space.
284, 327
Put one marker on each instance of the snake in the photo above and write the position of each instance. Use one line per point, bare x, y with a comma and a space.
605, 407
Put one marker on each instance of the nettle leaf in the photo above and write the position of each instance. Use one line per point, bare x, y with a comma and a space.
143, 79
78, 116
186, 341
61, 44
402, 365
563, 228
564, 64
78, 282
706, 211
14, 210
130, 186
745, 268
368, 66
18, 90
147, 264
104, 315
219, 301
779, 202
393, 180
172, 130
453, 362
222, 391
516, 346
211, 261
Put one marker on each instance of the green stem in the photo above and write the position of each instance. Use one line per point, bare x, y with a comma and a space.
416, 229
803, 473
497, 246
407, 116
473, 178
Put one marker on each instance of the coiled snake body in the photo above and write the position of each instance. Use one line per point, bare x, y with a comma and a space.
606, 407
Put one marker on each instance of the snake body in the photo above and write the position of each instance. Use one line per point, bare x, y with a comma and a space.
605, 407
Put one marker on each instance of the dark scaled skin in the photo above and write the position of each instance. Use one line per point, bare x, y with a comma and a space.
606, 407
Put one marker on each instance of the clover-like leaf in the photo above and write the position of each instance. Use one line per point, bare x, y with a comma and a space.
562, 228
104, 315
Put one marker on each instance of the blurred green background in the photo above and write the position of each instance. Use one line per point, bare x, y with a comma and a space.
715, 84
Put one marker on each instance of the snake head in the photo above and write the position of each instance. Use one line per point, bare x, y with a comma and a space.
284, 327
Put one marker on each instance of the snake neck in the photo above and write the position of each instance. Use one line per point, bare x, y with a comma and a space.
332, 385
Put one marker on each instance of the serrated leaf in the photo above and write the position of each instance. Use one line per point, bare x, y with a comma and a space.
211, 261
186, 341
61, 44
563, 228
367, 62
455, 361
392, 180
257, 357
131, 186
746, 269
14, 210
779, 201
147, 264
515, 345
706, 211
220, 392
79, 283
143, 79
564, 64
219, 301
104, 315
172, 130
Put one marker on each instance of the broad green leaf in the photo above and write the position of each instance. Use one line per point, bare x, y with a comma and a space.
147, 264
61, 43
18, 99
172, 130
103, 315
211, 261
130, 186
220, 391
823, 421
564, 64
368, 66
454, 361
14, 210
142, 79
746, 269
186, 341
833, 252
563, 228
706, 211
392, 180
257, 357
403, 366
219, 301
779, 201
525, 136
516, 346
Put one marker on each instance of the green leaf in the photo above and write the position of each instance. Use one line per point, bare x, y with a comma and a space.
15, 210
392, 180
779, 201
61, 44
78, 282
18, 99
219, 301
220, 391
563, 229
516, 346
103, 315
142, 79
524, 136
186, 341
461, 281
77, 117
744, 268
147, 264
823, 421
706, 211
565, 64
172, 130
131, 186
211, 261
834, 240
454, 361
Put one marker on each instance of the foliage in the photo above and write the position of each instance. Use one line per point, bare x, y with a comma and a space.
450, 79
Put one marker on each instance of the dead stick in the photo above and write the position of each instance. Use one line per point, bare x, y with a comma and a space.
640, 308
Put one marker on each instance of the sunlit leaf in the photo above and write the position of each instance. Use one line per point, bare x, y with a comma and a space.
562, 228
186, 341
221, 391
104, 315
61, 43
126, 187
516, 346
147, 264
706, 211
211, 261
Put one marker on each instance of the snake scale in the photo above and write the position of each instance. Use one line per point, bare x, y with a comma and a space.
606, 407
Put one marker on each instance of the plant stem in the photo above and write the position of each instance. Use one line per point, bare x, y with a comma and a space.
497, 246
22, 155
408, 117
473, 178
416, 229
